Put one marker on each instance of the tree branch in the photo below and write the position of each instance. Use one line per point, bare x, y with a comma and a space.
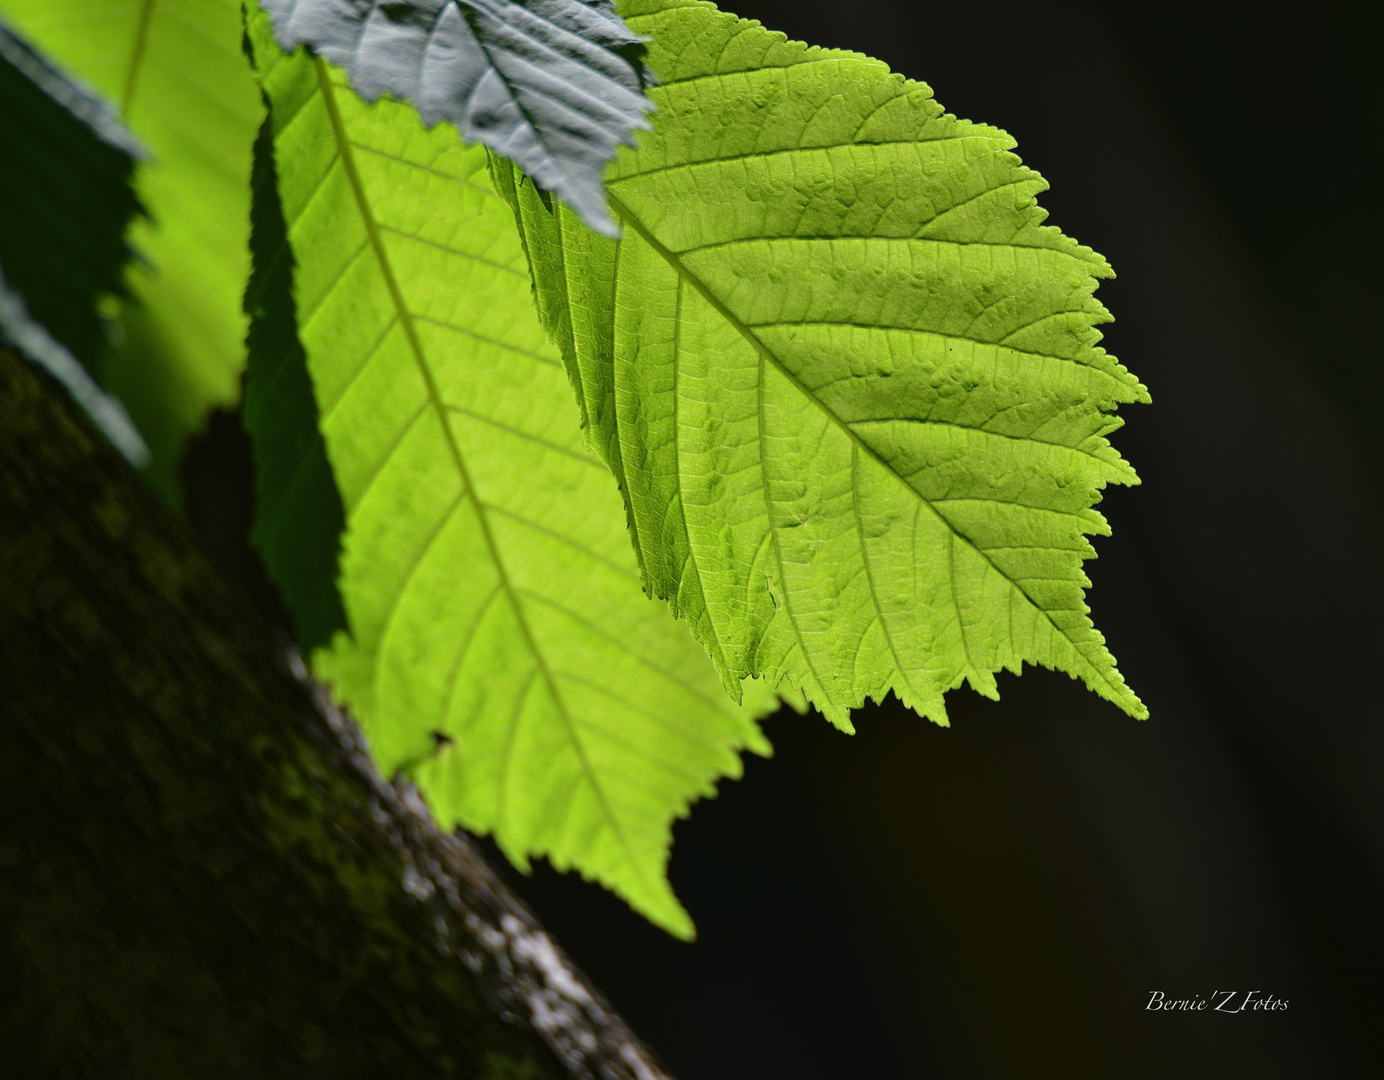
202, 873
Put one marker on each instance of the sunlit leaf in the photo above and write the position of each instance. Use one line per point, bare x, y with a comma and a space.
176, 73
500, 647
849, 382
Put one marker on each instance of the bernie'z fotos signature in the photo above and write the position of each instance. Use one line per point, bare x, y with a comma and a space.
1226, 1001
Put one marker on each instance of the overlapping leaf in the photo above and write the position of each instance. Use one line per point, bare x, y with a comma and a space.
67, 196
31, 337
299, 518
848, 381
501, 648
176, 71
542, 82
68, 202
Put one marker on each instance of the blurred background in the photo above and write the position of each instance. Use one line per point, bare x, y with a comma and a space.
1001, 898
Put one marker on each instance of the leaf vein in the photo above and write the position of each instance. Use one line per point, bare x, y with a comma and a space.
454, 251
388, 456
642, 710
718, 653
585, 623
527, 436
420, 168
869, 573
1027, 439
435, 397
784, 152
488, 340
397, 600
360, 367
767, 357
773, 531
569, 541
460, 661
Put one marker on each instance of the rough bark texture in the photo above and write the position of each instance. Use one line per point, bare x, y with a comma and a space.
201, 873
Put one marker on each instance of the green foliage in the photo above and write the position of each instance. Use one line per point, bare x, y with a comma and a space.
500, 648
176, 72
62, 236
544, 82
62, 247
299, 518
849, 383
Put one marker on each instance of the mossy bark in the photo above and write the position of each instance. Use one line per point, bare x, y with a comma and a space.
201, 874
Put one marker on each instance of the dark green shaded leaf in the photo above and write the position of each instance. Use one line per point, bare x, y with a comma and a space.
32, 339
299, 517
68, 200
66, 194
182, 84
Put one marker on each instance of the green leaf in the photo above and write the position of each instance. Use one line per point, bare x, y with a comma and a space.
299, 517
501, 650
849, 383
68, 202
32, 339
543, 82
176, 71
66, 194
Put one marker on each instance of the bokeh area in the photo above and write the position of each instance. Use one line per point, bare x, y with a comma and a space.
1002, 898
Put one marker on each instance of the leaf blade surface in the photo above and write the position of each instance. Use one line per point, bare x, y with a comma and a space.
490, 589
62, 237
849, 382
176, 71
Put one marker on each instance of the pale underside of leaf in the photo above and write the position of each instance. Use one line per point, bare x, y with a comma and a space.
536, 82
176, 70
491, 592
849, 383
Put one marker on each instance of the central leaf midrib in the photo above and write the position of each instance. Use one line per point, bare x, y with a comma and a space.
345, 151
767, 355
481, 43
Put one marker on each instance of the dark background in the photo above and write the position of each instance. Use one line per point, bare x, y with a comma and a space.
999, 899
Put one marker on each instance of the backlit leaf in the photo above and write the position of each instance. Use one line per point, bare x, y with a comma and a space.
175, 70
500, 647
68, 202
849, 382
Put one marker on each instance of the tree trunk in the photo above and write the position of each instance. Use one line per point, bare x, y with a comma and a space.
201, 872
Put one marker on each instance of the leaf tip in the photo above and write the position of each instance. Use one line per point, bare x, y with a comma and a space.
839, 718
660, 906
